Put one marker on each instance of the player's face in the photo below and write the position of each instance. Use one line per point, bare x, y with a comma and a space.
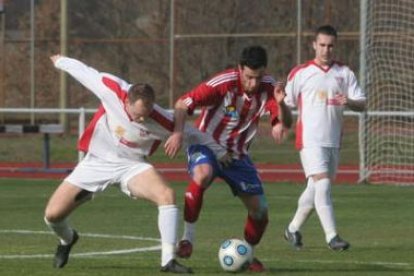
250, 79
139, 110
323, 46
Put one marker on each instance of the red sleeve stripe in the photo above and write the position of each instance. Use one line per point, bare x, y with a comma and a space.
297, 69
115, 87
162, 120
222, 78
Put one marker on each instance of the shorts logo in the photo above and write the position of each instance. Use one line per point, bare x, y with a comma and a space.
196, 156
248, 186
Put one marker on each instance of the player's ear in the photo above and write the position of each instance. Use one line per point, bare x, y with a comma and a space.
314, 45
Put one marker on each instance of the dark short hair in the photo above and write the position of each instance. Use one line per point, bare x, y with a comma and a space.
141, 91
326, 30
253, 57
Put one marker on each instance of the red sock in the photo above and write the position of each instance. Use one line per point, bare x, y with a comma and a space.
254, 229
193, 201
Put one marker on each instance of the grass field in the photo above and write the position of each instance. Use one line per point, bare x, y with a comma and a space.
377, 220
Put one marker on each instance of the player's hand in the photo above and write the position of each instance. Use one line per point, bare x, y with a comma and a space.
226, 159
173, 144
279, 133
279, 91
55, 57
341, 99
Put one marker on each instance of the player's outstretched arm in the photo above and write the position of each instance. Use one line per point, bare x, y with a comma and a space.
174, 142
54, 58
86, 75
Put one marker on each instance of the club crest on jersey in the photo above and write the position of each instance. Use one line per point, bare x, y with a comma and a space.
143, 133
230, 111
339, 80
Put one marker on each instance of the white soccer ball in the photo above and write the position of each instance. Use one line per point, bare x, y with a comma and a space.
235, 255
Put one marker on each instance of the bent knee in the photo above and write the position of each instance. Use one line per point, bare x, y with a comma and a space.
203, 174
53, 215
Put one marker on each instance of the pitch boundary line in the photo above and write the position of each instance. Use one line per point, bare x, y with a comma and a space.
379, 263
85, 254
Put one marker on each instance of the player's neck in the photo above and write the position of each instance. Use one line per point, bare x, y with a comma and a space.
323, 64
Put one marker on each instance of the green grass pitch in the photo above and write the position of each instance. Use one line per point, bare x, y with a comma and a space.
377, 220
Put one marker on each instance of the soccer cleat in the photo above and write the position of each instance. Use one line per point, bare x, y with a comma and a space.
62, 252
185, 249
175, 267
295, 239
256, 266
338, 244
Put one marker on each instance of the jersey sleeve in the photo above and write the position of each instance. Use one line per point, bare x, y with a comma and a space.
87, 76
354, 91
202, 95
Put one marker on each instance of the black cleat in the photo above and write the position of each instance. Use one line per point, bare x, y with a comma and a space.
338, 244
294, 238
62, 252
175, 267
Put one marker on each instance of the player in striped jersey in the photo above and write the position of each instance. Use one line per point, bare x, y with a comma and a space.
321, 89
232, 103
128, 127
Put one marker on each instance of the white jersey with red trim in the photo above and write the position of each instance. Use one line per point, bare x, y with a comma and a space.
312, 89
228, 114
112, 135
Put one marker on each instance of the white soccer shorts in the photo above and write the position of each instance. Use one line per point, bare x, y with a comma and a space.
94, 174
319, 160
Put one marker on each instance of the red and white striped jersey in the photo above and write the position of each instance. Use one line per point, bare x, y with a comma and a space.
111, 134
312, 89
228, 114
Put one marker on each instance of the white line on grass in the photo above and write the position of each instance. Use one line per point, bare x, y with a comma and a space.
386, 264
85, 254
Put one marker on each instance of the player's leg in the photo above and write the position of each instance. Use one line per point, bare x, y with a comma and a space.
150, 185
64, 200
256, 223
304, 210
323, 202
244, 181
200, 164
91, 175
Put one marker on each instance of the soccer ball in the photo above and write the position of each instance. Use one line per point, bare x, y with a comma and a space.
235, 255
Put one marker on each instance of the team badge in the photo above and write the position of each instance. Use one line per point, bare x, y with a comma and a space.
230, 111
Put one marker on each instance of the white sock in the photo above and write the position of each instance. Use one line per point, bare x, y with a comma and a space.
167, 225
189, 232
305, 207
62, 230
324, 207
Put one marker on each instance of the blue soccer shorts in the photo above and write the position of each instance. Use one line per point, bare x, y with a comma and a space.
241, 175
